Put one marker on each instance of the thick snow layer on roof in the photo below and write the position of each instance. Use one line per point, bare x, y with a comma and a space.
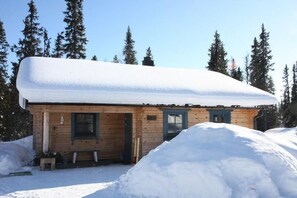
50, 80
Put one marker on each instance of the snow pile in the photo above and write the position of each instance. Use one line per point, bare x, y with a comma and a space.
284, 137
14, 155
214, 160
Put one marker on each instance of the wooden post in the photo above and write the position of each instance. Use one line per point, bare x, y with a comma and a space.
137, 149
45, 131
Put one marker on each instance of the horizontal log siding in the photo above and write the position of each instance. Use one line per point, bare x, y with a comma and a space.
244, 117
111, 133
152, 130
111, 119
111, 137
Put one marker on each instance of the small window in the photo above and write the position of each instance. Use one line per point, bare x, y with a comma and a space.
85, 125
174, 122
220, 116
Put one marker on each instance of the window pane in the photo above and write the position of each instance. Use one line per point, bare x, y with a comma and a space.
179, 118
85, 124
219, 118
175, 123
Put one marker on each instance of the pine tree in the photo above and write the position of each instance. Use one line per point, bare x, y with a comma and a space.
286, 99
247, 69
46, 44
129, 52
217, 54
94, 58
4, 134
75, 37
58, 51
148, 59
115, 59
29, 45
235, 71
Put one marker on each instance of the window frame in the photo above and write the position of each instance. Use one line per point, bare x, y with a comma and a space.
95, 123
184, 112
220, 112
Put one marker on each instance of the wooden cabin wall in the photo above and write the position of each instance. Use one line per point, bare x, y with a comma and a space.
111, 132
244, 117
111, 135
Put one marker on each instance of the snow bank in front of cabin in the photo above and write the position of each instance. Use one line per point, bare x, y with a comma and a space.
16, 154
214, 160
284, 137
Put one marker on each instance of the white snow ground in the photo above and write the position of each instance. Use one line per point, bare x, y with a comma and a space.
207, 160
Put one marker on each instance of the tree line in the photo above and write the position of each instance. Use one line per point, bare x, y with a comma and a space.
16, 122
71, 42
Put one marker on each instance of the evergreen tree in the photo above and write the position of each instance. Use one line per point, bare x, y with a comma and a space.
58, 51
235, 71
261, 63
115, 59
129, 52
32, 32
293, 104
260, 67
46, 44
247, 69
94, 58
75, 37
4, 134
217, 54
148, 59
19, 119
286, 99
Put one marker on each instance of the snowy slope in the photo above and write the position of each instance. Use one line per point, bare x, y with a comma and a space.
81, 81
214, 160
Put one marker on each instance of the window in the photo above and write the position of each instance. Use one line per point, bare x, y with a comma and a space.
220, 116
174, 122
84, 125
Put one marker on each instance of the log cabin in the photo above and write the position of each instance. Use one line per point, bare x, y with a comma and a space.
124, 111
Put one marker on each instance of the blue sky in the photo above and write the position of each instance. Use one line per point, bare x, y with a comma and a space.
178, 32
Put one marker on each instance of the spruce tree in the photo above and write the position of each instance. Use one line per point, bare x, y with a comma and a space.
247, 69
115, 59
261, 63
148, 59
30, 45
4, 133
94, 58
260, 66
235, 71
58, 50
286, 99
32, 32
293, 103
46, 44
217, 54
129, 52
75, 37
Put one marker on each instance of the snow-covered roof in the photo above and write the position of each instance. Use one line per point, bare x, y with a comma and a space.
52, 80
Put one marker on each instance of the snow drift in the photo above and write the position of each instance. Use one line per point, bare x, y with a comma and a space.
284, 137
214, 160
16, 154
